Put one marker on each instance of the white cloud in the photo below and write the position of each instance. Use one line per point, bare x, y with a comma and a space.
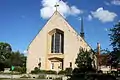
75, 11
25, 51
104, 15
106, 29
115, 2
48, 8
89, 17
107, 3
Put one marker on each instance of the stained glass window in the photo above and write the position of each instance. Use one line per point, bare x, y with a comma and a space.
57, 42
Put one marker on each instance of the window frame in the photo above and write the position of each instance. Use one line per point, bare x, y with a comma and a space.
57, 46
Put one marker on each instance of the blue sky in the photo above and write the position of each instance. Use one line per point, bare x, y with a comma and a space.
21, 20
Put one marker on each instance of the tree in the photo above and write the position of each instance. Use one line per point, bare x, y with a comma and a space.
84, 63
115, 42
115, 36
84, 60
9, 58
113, 59
5, 52
18, 59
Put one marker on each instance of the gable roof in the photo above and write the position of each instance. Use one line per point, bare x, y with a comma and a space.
57, 14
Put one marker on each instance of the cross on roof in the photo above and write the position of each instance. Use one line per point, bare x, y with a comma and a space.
56, 6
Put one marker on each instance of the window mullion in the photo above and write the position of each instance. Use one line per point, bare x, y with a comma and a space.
60, 44
54, 44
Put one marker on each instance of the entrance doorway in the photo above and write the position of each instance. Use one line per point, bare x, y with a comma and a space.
56, 65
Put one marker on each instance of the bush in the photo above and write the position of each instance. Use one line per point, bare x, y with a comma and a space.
76, 71
38, 71
114, 73
68, 71
61, 72
1, 66
94, 76
51, 72
23, 70
20, 69
105, 77
35, 71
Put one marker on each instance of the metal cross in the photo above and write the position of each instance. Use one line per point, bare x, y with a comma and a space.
56, 6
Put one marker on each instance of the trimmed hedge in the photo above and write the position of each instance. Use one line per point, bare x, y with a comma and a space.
62, 72
38, 71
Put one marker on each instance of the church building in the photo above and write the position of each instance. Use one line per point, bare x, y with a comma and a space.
56, 46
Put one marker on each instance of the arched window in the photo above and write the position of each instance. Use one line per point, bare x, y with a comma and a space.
57, 42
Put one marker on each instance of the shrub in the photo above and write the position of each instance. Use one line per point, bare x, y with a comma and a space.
96, 76
23, 70
114, 73
61, 72
51, 72
38, 71
68, 71
35, 71
1, 66
20, 69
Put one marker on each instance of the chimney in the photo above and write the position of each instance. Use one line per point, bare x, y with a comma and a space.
98, 56
98, 48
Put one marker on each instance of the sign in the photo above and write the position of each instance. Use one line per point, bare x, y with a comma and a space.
12, 67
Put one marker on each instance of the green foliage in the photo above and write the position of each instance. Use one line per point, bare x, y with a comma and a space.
35, 71
38, 71
113, 59
9, 58
23, 70
115, 42
1, 66
89, 76
61, 72
51, 72
115, 36
18, 59
68, 71
5, 53
84, 60
20, 69
84, 64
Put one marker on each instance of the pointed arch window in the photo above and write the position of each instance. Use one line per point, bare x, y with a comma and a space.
57, 42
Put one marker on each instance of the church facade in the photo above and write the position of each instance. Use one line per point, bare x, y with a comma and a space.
56, 46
